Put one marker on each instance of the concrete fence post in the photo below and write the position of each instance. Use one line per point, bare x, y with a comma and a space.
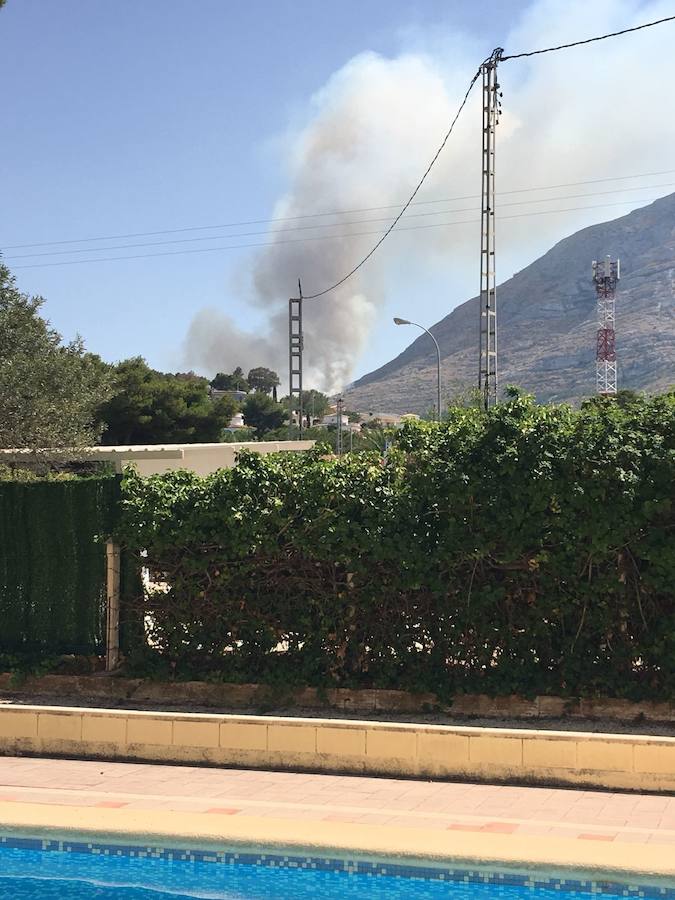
112, 636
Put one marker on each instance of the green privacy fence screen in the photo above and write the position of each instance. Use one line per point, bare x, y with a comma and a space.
53, 564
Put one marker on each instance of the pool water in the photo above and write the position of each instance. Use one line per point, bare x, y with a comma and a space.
53, 874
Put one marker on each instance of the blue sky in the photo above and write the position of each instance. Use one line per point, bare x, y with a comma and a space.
143, 115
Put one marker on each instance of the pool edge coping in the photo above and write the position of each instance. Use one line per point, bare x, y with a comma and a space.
557, 856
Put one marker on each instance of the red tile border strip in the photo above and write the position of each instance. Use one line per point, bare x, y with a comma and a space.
596, 837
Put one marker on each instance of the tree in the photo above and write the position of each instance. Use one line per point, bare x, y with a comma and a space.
264, 380
239, 380
315, 405
221, 382
465, 397
151, 407
626, 398
263, 413
234, 382
49, 391
325, 438
374, 438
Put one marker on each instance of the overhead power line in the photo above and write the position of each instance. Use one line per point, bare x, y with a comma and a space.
295, 228
323, 237
408, 202
337, 212
496, 56
592, 40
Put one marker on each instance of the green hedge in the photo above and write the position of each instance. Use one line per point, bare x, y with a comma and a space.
52, 563
529, 550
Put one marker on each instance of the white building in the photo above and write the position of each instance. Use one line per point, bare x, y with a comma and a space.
331, 420
390, 420
237, 421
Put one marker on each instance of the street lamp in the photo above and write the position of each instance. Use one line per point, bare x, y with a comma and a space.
398, 321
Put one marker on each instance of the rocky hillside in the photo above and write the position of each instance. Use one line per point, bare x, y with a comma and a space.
547, 323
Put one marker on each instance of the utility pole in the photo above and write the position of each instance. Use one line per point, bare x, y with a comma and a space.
606, 274
487, 367
338, 408
295, 348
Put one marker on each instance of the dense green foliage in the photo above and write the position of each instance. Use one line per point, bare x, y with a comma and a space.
151, 407
315, 405
236, 381
326, 436
263, 379
29, 476
258, 379
49, 391
263, 413
323, 436
529, 550
52, 563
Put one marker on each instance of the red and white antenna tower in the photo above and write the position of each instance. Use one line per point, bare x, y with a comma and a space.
605, 277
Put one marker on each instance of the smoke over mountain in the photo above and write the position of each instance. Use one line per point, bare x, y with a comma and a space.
366, 141
371, 131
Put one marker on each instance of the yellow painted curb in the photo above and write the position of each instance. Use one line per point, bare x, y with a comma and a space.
427, 846
610, 761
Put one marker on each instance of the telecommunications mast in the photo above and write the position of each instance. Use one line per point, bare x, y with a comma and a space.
605, 277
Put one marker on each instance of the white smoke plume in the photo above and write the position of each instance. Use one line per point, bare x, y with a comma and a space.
370, 133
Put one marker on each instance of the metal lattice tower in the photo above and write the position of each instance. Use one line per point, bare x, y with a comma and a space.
487, 371
295, 348
339, 409
606, 274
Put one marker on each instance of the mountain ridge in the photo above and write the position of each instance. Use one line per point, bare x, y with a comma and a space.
547, 323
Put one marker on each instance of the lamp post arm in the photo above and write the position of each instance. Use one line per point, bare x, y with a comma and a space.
438, 367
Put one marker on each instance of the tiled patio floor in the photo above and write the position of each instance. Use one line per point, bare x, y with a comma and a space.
584, 815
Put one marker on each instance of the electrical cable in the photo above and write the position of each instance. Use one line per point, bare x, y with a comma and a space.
496, 56
601, 37
324, 237
440, 212
393, 225
340, 212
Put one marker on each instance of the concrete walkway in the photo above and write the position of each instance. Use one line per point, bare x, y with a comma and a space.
288, 798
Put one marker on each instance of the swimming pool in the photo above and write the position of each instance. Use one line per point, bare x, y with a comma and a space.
36, 869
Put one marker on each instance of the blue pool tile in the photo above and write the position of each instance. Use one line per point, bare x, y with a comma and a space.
173, 868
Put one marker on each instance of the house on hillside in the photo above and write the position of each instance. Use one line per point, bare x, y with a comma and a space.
390, 420
331, 420
238, 396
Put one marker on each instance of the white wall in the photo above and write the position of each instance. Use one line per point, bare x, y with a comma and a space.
206, 458
154, 459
